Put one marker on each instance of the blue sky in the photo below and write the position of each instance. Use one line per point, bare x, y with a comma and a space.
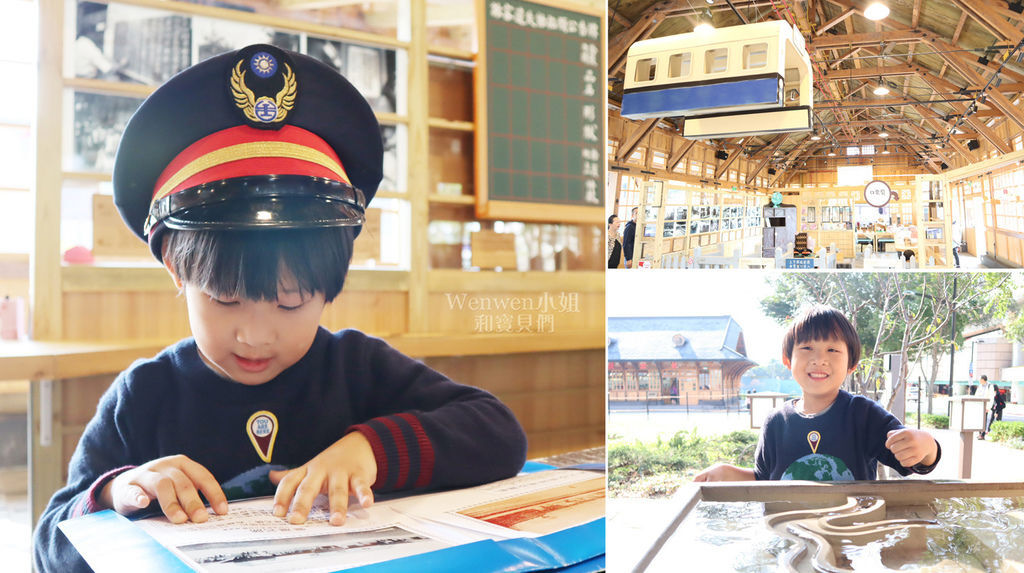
699, 293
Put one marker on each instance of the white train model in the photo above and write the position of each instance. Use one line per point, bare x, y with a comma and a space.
737, 81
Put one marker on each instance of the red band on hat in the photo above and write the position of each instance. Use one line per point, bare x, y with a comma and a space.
244, 151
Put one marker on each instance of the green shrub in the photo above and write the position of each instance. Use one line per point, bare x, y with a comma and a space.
929, 421
1002, 431
658, 469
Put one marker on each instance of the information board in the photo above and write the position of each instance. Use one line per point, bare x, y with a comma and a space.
540, 112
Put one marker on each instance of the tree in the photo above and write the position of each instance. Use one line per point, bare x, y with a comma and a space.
905, 314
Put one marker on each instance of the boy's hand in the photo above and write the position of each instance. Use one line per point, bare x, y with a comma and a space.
175, 482
725, 472
912, 447
347, 466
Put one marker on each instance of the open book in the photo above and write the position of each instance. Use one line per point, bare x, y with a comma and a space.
498, 523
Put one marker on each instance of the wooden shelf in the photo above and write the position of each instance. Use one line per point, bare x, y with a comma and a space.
438, 123
452, 199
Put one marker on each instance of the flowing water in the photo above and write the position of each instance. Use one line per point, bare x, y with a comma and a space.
970, 535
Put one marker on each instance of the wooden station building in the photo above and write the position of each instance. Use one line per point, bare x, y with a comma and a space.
690, 359
926, 99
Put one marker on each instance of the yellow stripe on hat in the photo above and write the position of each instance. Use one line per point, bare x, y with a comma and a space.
276, 149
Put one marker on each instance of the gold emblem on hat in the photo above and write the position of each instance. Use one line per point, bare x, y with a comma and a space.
263, 109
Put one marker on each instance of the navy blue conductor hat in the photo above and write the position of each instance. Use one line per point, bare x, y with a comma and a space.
257, 138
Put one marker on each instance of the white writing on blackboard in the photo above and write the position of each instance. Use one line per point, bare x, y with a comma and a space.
539, 20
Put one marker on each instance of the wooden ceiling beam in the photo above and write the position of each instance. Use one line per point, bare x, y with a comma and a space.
883, 71
991, 21
916, 15
939, 127
640, 30
679, 153
834, 21
789, 158
770, 152
724, 167
864, 40
619, 18
961, 64
632, 141
992, 137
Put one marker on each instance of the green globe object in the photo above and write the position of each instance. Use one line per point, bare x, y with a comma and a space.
818, 467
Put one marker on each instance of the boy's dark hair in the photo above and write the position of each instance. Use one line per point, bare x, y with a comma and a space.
249, 263
612, 218
984, 377
821, 322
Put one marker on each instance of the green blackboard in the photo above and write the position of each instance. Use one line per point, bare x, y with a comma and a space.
541, 139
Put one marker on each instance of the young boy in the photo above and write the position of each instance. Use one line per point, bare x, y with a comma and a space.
829, 434
249, 174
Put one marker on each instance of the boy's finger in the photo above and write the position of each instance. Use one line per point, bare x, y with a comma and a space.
133, 498
286, 486
304, 497
337, 495
203, 480
163, 488
362, 491
188, 496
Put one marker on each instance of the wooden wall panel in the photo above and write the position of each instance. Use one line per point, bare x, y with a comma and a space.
451, 159
451, 93
124, 315
557, 397
377, 313
162, 315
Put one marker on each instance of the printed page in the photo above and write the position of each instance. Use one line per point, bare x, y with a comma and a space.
528, 505
251, 539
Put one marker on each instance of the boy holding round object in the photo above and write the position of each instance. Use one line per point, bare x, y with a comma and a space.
249, 175
829, 434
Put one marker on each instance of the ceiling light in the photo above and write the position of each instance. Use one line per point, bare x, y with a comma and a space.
876, 11
704, 28
881, 90
815, 137
832, 153
883, 134
885, 151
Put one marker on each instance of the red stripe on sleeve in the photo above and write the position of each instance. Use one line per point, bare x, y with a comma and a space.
403, 451
378, 452
426, 450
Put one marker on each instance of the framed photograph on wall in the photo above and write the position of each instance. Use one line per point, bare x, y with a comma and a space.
213, 37
810, 214
121, 43
96, 128
373, 71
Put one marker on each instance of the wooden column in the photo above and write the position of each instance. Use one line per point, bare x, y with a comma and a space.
419, 168
44, 260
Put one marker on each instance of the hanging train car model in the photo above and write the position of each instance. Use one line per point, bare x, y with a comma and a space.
737, 81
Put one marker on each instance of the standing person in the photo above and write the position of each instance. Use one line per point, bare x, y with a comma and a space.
992, 394
828, 434
614, 246
957, 238
249, 176
629, 236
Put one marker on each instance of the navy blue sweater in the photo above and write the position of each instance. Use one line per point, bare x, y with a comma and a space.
426, 431
844, 443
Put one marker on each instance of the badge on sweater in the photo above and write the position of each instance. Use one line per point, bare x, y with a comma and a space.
813, 438
262, 430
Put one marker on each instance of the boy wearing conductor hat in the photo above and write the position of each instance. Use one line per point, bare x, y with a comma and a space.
249, 175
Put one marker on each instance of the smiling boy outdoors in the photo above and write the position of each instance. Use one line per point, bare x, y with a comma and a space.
828, 434
249, 175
